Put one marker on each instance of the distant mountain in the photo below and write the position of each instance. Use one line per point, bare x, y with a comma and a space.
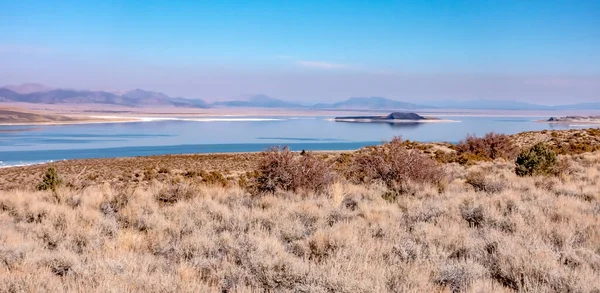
509, 105
134, 98
580, 106
257, 101
370, 103
37, 93
28, 88
488, 105
64, 96
7, 95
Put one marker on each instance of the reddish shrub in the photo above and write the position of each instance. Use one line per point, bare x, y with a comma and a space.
487, 148
279, 168
395, 165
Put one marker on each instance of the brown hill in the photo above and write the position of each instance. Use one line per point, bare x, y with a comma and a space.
19, 116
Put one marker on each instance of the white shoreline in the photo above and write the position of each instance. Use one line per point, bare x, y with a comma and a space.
125, 119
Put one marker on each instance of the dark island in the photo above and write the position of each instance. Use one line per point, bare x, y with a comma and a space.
575, 119
395, 117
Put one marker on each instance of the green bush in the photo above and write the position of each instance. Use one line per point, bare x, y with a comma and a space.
50, 181
538, 160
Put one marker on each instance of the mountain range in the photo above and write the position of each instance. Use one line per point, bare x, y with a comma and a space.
370, 103
261, 101
37, 93
133, 98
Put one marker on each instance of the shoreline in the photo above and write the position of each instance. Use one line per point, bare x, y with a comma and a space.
97, 114
75, 122
219, 154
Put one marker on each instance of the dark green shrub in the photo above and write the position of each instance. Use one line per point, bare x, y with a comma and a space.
50, 181
538, 160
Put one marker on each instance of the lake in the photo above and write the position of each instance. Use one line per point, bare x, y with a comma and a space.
157, 136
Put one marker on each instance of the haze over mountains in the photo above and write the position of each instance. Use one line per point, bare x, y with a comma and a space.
36, 93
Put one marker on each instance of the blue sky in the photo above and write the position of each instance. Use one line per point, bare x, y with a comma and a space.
540, 51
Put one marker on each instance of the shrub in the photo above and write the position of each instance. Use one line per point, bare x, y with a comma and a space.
395, 165
537, 160
487, 148
276, 170
472, 213
175, 193
279, 168
213, 178
50, 181
313, 173
481, 182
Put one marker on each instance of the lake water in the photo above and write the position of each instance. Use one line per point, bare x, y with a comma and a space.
32, 144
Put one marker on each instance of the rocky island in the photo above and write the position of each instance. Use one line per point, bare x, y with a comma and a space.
574, 119
395, 117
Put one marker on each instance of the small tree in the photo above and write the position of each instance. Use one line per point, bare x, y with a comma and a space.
50, 181
538, 160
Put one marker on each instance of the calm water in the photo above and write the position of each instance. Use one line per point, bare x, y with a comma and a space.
30, 144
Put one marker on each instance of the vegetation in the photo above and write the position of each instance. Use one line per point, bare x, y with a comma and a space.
388, 218
281, 169
538, 160
396, 166
50, 181
487, 148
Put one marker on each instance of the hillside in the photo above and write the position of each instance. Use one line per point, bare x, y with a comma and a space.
135, 98
509, 105
257, 101
28, 88
369, 103
41, 94
191, 223
19, 117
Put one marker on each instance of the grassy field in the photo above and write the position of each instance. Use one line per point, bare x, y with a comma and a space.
189, 224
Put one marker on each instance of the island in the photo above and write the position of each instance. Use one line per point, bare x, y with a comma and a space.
395, 117
574, 119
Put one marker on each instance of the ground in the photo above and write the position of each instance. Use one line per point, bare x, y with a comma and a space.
106, 229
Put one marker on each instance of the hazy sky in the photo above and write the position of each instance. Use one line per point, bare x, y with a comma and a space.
537, 51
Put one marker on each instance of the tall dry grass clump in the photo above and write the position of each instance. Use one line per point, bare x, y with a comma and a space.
281, 169
487, 148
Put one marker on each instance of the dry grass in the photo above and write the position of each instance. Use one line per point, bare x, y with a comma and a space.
135, 172
532, 234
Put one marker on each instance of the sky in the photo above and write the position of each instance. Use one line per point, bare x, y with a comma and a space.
535, 51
